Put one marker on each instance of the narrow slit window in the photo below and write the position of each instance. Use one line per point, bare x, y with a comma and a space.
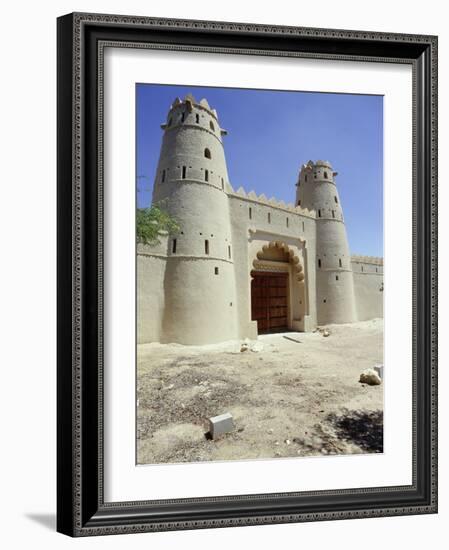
229, 251
183, 116
163, 176
325, 175
305, 177
184, 172
336, 200
299, 203
376, 269
303, 227
333, 213
222, 184
216, 271
206, 247
319, 263
207, 153
362, 269
286, 222
339, 263
269, 217
336, 277
250, 213
197, 118
211, 126
206, 175
173, 246
319, 213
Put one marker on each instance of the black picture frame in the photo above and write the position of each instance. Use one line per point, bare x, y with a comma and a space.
81, 510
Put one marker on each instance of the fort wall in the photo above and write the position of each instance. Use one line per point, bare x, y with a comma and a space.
368, 286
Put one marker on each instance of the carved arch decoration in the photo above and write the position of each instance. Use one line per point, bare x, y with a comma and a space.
290, 257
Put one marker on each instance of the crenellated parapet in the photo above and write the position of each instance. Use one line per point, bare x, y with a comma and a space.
374, 260
274, 203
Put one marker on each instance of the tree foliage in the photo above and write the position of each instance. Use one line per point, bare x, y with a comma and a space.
152, 222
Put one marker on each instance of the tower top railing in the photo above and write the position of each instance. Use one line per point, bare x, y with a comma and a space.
190, 101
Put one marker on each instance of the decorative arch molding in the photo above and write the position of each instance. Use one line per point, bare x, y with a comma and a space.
291, 258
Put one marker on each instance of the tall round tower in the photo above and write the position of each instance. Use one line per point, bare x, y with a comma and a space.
316, 189
191, 183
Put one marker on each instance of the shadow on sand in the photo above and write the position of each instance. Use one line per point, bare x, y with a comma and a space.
363, 428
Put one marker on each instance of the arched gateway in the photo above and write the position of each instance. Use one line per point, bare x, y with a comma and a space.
277, 289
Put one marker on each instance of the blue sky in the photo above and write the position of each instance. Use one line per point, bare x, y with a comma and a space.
271, 133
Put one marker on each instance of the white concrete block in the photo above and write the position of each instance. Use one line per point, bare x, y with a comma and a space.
380, 370
221, 424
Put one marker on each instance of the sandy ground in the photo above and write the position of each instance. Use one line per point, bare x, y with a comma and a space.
299, 395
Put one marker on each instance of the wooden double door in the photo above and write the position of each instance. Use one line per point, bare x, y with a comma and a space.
269, 301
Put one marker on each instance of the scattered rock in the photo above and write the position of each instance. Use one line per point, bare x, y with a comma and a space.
258, 346
326, 333
276, 443
170, 387
270, 431
370, 377
288, 441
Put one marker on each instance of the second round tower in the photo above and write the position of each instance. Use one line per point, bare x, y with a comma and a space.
317, 190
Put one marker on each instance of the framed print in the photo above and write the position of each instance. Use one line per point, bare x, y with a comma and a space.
247, 283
